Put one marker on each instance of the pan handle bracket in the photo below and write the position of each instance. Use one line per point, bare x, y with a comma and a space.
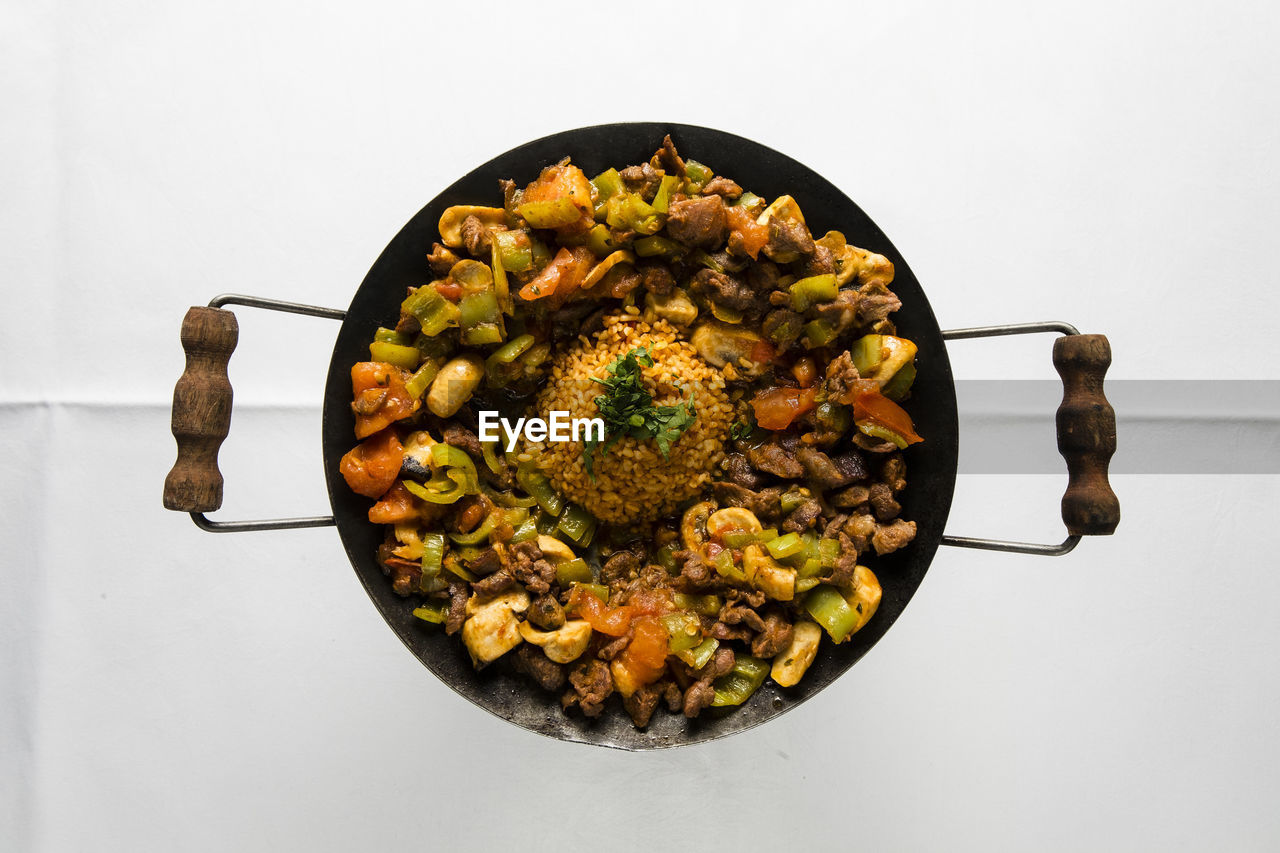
1086, 436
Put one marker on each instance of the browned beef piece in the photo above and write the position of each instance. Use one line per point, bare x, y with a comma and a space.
723, 632
441, 260
722, 187
787, 237
803, 516
775, 637
488, 562
405, 574
509, 193
841, 312
772, 459
860, 527
890, 537
695, 574
841, 378
459, 436
521, 553
842, 574
408, 325
591, 684
537, 576
882, 503
673, 696
750, 598
763, 503
737, 614
495, 584
667, 159
851, 497
738, 470
876, 302
763, 276
643, 179
821, 470
698, 696
545, 612
727, 291
779, 298
697, 221
894, 472
782, 325
476, 237
872, 445
833, 525
621, 566
641, 704
821, 262
458, 595
614, 647
530, 660
657, 278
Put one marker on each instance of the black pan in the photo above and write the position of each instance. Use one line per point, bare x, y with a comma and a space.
200, 414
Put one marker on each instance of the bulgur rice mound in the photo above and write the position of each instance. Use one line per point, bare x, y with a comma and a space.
633, 482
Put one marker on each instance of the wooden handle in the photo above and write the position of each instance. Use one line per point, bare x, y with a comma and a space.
201, 410
1086, 434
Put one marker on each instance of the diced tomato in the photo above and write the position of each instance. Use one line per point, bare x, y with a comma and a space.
373, 465
564, 182
776, 408
397, 505
380, 397
450, 290
562, 276
804, 371
645, 657
762, 352
752, 234
613, 621
874, 407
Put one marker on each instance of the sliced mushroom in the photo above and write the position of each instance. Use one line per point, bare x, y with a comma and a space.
417, 456
454, 384
453, 217
492, 628
731, 518
693, 527
554, 550
895, 353
768, 575
622, 256
675, 307
472, 276
564, 644
792, 662
783, 207
721, 344
865, 597
410, 538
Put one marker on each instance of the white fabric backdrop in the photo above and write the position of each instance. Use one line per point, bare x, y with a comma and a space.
160, 688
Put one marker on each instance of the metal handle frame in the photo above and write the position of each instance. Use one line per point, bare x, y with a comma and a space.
201, 520
1071, 541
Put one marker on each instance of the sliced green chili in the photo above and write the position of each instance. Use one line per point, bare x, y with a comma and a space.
739, 683
420, 381
400, 356
785, 546
666, 187
684, 630
577, 524
432, 553
818, 333
433, 612
830, 610
536, 484
812, 290
433, 312
391, 336
896, 388
573, 571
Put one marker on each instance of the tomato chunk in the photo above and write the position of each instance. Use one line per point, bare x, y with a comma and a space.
645, 657
873, 407
752, 235
380, 397
396, 505
371, 467
613, 621
560, 278
776, 408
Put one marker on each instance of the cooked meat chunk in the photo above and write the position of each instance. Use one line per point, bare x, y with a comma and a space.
851, 497
738, 470
894, 473
476, 237
667, 159
509, 193
860, 527
772, 459
441, 260
890, 537
643, 179
532, 661
546, 612
657, 279
621, 566
882, 503
841, 379
872, 445
876, 302
458, 595
842, 574
699, 695
614, 647
526, 564
763, 276
763, 503
695, 575
782, 325
405, 574
821, 262
495, 584
673, 696
486, 563
725, 290
723, 632
591, 684
697, 221
408, 325
461, 437
788, 237
641, 704
773, 638
821, 470
841, 312
803, 517
722, 187
737, 614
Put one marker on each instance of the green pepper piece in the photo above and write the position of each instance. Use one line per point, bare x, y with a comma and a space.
785, 545
833, 417
391, 336
662, 200
498, 367
810, 291
573, 571
515, 251
666, 558
803, 585
697, 173
703, 605
526, 532
433, 612
552, 213
432, 553
454, 567
818, 333
725, 566
481, 320
599, 590
490, 457
698, 656
437, 348
752, 202
739, 538
896, 388
447, 456
501, 287
420, 381
608, 184
630, 212
866, 353
883, 432
649, 247
577, 524
828, 552
790, 501
830, 610
739, 683
536, 484
600, 241
684, 630
546, 523
400, 356
507, 499
439, 490
433, 312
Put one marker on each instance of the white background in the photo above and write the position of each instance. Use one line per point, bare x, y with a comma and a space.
1114, 165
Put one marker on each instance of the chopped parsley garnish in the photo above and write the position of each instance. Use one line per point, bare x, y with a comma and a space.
627, 408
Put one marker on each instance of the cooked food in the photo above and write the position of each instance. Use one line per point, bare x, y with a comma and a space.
736, 451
